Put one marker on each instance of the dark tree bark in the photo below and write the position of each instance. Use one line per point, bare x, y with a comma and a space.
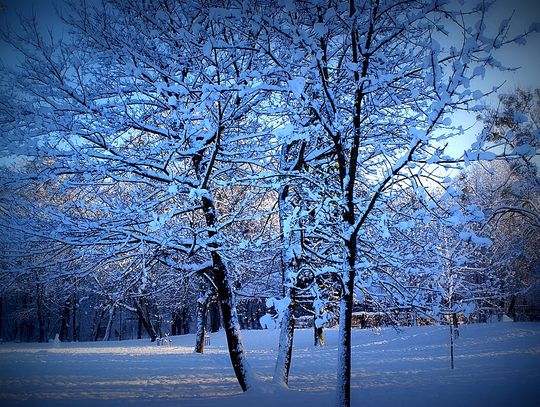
139, 327
451, 344
1, 317
64, 321
230, 322
97, 323
318, 335
42, 326
157, 328
512, 308
141, 307
220, 272
186, 320
215, 318
74, 322
176, 322
221, 279
181, 321
202, 307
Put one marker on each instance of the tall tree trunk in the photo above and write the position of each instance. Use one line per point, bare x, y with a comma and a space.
29, 331
347, 176
97, 323
41, 314
202, 307
64, 321
285, 347
512, 308
186, 319
48, 307
139, 326
107, 335
215, 318
343, 391
175, 323
225, 294
230, 322
318, 335
451, 345
157, 328
1, 318
74, 322
144, 318
289, 272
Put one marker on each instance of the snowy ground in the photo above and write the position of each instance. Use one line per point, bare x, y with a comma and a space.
496, 365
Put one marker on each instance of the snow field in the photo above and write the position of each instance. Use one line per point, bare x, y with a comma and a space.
496, 365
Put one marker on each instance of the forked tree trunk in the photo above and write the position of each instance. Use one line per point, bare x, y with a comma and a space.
144, 318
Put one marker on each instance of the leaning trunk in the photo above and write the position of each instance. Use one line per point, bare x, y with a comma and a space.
230, 323
225, 294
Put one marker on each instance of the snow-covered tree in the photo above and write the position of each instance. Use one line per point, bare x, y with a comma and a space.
373, 86
159, 102
178, 124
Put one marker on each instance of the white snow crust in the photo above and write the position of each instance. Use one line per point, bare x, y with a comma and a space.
496, 365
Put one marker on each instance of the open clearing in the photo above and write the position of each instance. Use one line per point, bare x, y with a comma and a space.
496, 365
